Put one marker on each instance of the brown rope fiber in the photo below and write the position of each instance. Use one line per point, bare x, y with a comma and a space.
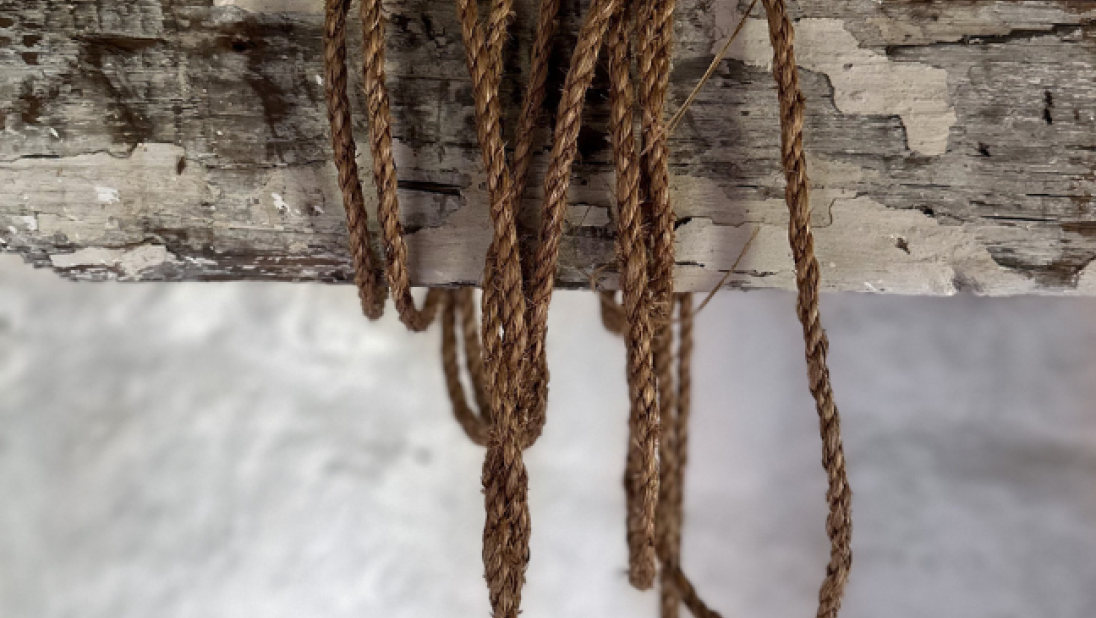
839, 496
366, 274
641, 475
459, 306
674, 451
505, 356
653, 42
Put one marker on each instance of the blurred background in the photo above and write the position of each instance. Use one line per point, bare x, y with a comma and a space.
260, 450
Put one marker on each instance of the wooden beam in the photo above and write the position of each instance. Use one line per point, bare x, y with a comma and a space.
952, 144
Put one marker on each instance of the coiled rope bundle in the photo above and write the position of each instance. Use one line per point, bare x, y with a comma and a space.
505, 355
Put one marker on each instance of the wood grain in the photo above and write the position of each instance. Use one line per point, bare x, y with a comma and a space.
952, 144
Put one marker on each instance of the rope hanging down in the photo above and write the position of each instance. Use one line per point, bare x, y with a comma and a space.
506, 357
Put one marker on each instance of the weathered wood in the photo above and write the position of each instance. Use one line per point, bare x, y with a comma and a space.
952, 144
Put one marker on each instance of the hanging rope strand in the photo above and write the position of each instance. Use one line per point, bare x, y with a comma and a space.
536, 386
641, 472
674, 456
453, 310
367, 275
506, 532
465, 300
547, 24
384, 171
503, 300
558, 179
654, 42
839, 496
506, 362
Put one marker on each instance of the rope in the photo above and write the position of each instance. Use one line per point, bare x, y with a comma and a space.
367, 276
653, 42
458, 305
641, 476
384, 172
839, 496
505, 358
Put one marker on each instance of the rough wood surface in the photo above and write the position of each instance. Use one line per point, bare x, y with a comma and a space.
952, 144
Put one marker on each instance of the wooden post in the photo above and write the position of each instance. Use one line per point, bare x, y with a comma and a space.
952, 145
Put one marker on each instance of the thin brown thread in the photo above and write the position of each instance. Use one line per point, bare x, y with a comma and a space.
730, 271
671, 126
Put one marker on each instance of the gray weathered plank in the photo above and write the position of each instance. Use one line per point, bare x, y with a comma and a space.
952, 144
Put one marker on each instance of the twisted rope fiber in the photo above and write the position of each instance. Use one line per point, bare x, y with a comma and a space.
654, 496
503, 299
367, 276
459, 305
506, 533
502, 302
384, 171
508, 372
839, 495
505, 483
674, 453
675, 586
484, 63
654, 41
465, 302
641, 478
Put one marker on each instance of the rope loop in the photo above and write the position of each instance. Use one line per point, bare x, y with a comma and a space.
505, 356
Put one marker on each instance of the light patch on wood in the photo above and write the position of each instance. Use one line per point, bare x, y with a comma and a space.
864, 81
955, 21
91, 198
129, 261
868, 247
106, 195
454, 252
1086, 281
279, 203
274, 6
27, 223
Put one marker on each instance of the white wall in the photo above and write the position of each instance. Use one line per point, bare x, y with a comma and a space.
261, 450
